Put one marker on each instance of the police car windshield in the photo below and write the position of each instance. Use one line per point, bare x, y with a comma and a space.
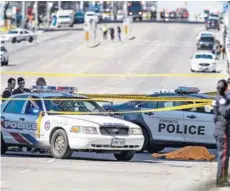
204, 56
70, 105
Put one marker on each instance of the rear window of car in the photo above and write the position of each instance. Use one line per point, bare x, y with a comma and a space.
203, 56
207, 39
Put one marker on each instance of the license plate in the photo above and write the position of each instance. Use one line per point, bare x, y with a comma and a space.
118, 142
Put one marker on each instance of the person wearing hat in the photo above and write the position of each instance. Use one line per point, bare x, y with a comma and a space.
221, 106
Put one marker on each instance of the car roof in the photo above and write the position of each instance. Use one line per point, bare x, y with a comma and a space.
172, 94
51, 94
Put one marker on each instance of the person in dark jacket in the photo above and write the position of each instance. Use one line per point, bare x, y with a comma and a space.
112, 33
119, 32
21, 87
9, 90
221, 106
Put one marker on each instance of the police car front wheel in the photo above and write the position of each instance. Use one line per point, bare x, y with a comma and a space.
60, 146
124, 155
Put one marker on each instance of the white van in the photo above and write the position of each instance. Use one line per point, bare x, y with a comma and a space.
65, 18
91, 15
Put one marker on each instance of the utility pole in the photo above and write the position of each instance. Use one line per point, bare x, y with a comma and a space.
23, 11
59, 5
36, 15
48, 14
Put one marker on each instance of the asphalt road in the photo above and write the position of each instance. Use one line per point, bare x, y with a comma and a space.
30, 172
157, 49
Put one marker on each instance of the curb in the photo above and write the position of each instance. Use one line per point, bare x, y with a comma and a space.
94, 45
132, 38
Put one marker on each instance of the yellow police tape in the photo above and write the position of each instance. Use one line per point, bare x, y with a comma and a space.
112, 75
127, 98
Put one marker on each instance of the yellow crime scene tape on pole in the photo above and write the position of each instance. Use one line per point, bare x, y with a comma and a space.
113, 75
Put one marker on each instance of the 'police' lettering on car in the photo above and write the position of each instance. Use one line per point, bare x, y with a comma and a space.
20, 125
186, 129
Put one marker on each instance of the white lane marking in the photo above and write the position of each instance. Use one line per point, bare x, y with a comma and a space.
25, 170
60, 59
50, 161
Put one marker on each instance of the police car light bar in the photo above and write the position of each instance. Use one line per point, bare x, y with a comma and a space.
53, 89
187, 90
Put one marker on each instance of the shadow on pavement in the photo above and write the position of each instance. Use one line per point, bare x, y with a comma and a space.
74, 158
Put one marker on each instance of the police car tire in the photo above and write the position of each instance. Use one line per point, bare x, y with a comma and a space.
124, 155
67, 152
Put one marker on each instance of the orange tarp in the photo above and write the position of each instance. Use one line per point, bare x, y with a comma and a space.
187, 153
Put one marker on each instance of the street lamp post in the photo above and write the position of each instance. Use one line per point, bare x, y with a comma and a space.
36, 15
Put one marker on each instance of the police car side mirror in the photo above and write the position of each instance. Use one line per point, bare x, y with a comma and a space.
34, 111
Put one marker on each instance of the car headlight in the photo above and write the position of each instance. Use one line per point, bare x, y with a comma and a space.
89, 130
85, 130
135, 131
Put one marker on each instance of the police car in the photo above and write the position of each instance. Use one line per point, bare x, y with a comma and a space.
170, 128
62, 132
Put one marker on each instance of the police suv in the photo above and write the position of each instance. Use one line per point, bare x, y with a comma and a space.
170, 128
47, 118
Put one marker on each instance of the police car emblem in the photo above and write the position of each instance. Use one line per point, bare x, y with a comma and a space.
47, 125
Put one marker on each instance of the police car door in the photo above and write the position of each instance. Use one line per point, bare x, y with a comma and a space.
199, 126
11, 118
164, 125
30, 133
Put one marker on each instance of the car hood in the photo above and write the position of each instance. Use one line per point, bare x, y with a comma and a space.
203, 61
99, 120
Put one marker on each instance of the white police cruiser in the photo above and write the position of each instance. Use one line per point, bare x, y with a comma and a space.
64, 132
181, 127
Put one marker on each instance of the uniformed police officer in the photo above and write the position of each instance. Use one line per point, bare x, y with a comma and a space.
222, 132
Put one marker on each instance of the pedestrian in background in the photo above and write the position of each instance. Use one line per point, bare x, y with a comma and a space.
223, 52
221, 106
21, 87
9, 89
112, 33
119, 32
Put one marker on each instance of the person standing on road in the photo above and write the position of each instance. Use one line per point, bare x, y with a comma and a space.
223, 52
112, 33
21, 87
119, 32
9, 90
221, 106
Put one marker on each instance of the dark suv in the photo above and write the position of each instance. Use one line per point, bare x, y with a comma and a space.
213, 24
206, 43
